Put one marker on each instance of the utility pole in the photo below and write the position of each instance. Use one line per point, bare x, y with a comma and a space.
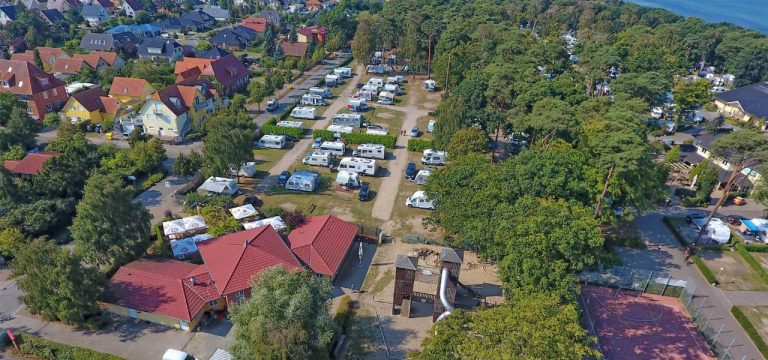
429, 56
448, 72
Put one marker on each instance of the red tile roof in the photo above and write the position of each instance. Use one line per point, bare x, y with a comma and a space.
127, 86
315, 29
322, 242
258, 24
92, 58
296, 49
167, 287
69, 66
234, 260
46, 53
91, 99
226, 69
111, 105
184, 91
26, 79
31, 164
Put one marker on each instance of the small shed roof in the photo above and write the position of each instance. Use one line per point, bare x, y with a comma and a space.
183, 225
242, 212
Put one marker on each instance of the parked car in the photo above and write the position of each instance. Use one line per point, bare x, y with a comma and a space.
739, 201
317, 142
410, 171
734, 220
283, 178
415, 132
172, 354
272, 104
364, 192
693, 216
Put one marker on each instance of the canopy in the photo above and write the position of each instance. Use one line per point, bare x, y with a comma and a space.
186, 224
188, 245
276, 223
242, 212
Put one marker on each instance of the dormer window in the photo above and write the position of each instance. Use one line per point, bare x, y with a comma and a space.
5, 84
175, 101
44, 81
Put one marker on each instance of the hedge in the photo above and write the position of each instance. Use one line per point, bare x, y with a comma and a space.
285, 114
704, 269
419, 145
674, 231
271, 121
756, 248
752, 262
325, 134
39, 348
152, 180
344, 313
356, 138
750, 330
282, 130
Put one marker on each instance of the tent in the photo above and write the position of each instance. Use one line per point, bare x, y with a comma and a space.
717, 230
276, 223
218, 186
183, 247
248, 170
242, 212
177, 228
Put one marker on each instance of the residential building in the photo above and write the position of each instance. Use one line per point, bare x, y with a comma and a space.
131, 7
703, 143
236, 38
216, 12
91, 105
64, 5
31, 164
313, 5
42, 91
272, 16
228, 71
95, 14
140, 31
212, 53
107, 42
171, 25
160, 48
48, 56
257, 24
298, 49
131, 92
101, 59
170, 113
314, 33
64, 69
747, 103
50, 16
323, 242
197, 19
34, 4
7, 14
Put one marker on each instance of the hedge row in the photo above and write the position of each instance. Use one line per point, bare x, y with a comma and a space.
39, 348
704, 269
752, 262
282, 130
419, 145
344, 314
356, 138
756, 248
285, 114
672, 228
325, 134
750, 329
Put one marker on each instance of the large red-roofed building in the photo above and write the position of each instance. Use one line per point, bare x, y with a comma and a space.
322, 243
31, 164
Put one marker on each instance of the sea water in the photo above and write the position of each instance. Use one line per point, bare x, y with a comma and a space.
750, 14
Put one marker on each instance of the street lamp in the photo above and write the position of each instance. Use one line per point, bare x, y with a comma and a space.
717, 277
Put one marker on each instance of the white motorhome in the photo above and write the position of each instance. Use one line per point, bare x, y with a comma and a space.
271, 142
335, 148
344, 71
337, 130
304, 113
365, 95
393, 88
348, 179
422, 176
357, 104
369, 88
312, 99
376, 81
370, 151
376, 69
331, 80
430, 85
291, 124
317, 158
376, 131
432, 157
419, 200
359, 165
355, 120
386, 98
322, 92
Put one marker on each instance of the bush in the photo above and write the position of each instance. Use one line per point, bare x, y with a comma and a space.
752, 262
344, 313
293, 219
704, 269
692, 201
325, 134
750, 330
282, 130
711, 107
94, 323
419, 145
160, 247
672, 228
356, 138
272, 212
271, 121
193, 136
42, 349
152, 180
756, 248
285, 114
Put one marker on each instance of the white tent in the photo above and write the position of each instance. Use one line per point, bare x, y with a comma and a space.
219, 186
183, 247
248, 170
242, 212
276, 222
180, 226
717, 230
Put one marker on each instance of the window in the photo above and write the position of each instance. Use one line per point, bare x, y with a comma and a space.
213, 303
5, 84
55, 93
240, 294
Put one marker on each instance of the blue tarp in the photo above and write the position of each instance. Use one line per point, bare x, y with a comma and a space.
750, 225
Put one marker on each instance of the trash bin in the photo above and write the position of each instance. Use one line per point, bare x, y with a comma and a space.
109, 136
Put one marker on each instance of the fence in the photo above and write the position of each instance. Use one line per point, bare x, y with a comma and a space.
702, 315
418, 239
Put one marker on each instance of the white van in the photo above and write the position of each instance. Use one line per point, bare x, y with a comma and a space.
271, 142
422, 176
419, 200
386, 98
303, 113
376, 81
354, 120
376, 131
337, 130
317, 158
344, 71
335, 148
393, 88
322, 92
432, 157
365, 95
359, 165
370, 151
313, 100
348, 179
291, 124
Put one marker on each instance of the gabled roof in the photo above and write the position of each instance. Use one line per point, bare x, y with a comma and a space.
322, 242
272, 15
98, 41
31, 164
171, 98
166, 47
226, 69
258, 24
197, 15
234, 260
213, 53
228, 37
216, 12
752, 98
26, 79
296, 49
93, 11
167, 287
315, 29
134, 4
124, 86
52, 15
92, 58
106, 4
91, 99
68, 66
9, 11
171, 23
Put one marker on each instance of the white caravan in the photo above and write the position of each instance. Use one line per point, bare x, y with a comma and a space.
337, 130
291, 124
370, 151
271, 142
386, 98
331, 80
393, 88
354, 120
376, 131
430, 85
322, 92
348, 179
304, 113
432, 157
312, 99
373, 89
344, 71
335, 148
359, 165
376, 81
422, 176
419, 200
317, 158
393, 80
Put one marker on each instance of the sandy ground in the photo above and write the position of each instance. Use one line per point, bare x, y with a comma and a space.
736, 274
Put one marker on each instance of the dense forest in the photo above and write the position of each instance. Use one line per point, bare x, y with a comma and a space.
584, 163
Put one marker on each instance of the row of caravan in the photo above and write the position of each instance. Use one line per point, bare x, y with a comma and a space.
339, 148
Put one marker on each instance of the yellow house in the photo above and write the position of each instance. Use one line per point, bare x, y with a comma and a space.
131, 92
91, 105
746, 103
170, 113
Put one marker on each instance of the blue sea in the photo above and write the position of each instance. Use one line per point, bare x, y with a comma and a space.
750, 14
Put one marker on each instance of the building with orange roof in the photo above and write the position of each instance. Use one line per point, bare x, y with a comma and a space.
170, 113
228, 71
91, 105
101, 59
65, 68
48, 55
42, 92
130, 91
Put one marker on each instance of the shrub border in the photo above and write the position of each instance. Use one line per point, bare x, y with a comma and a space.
749, 328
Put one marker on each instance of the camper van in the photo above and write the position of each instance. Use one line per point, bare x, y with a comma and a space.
370, 88
421, 177
376, 81
325, 93
344, 72
357, 104
393, 88
431, 125
335, 148
303, 180
271, 142
359, 165
393, 80
430, 85
386, 98
312, 100
366, 94
348, 179
317, 158
291, 124
354, 120
375, 69
370, 151
340, 129
303, 113
331, 80
419, 200
432, 157
376, 130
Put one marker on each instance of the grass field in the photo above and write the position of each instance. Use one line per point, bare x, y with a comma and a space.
736, 274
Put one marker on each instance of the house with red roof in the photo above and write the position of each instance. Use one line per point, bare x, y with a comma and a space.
42, 91
298, 49
48, 55
314, 33
257, 24
31, 164
65, 68
227, 70
179, 294
323, 242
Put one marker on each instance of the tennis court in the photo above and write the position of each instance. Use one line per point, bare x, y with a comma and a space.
629, 326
